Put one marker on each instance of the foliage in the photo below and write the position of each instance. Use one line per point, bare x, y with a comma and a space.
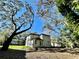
69, 7
70, 10
4, 35
12, 18
21, 38
70, 34
66, 38
9, 18
47, 9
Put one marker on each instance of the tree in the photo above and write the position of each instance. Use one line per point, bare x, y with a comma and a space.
48, 11
4, 35
66, 38
9, 11
70, 9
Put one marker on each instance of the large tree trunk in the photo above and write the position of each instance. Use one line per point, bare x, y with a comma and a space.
7, 42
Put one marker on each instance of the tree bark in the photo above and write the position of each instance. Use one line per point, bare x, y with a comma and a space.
7, 43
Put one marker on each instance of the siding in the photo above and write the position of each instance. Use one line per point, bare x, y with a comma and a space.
46, 41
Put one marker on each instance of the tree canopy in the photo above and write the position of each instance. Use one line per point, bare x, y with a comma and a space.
47, 9
9, 11
70, 10
17, 16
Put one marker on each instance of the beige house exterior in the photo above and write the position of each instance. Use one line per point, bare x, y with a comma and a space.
55, 44
36, 40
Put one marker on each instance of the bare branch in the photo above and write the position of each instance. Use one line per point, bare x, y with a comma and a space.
25, 29
20, 26
13, 22
13, 14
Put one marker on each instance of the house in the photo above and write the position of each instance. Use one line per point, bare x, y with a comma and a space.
55, 44
38, 40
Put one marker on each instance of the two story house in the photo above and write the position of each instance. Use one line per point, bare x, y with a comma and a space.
38, 40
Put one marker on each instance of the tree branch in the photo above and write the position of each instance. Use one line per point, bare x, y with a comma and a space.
13, 22
25, 29
13, 14
20, 26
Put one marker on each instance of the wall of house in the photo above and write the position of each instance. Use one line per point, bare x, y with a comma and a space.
46, 41
34, 36
29, 42
32, 42
36, 43
56, 44
43, 41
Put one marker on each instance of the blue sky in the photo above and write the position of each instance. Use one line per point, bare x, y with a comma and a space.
38, 23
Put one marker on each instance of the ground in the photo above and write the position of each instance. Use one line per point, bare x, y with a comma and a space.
43, 53
48, 55
54, 53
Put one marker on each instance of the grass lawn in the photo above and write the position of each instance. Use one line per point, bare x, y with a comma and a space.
18, 47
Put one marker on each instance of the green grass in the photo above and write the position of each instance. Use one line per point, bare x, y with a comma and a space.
18, 47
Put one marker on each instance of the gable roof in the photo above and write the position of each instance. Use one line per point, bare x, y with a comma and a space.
34, 34
38, 36
45, 34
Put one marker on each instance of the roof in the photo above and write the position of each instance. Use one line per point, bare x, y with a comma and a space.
38, 36
34, 34
45, 34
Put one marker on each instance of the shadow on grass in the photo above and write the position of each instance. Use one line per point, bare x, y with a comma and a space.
13, 54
